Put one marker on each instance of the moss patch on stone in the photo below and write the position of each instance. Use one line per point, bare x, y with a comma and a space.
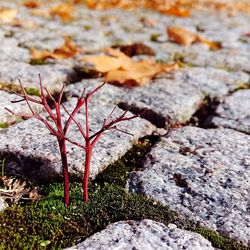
30, 226
4, 125
11, 88
48, 224
38, 62
33, 91
118, 172
219, 241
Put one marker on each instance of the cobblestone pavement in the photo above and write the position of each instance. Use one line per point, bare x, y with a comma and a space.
201, 165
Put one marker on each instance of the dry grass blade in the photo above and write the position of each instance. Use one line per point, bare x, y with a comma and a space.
15, 189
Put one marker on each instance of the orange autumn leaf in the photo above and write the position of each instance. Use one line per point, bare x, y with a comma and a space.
25, 23
185, 37
67, 50
175, 11
32, 4
180, 35
7, 15
140, 73
119, 68
113, 59
64, 11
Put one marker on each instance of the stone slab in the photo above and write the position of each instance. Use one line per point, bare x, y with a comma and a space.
176, 95
146, 234
202, 174
53, 74
5, 102
3, 204
228, 59
30, 150
234, 112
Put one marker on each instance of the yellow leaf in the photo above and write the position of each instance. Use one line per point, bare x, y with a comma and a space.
103, 63
185, 37
213, 45
7, 15
180, 35
121, 69
32, 4
40, 12
67, 50
130, 78
29, 24
175, 11
64, 11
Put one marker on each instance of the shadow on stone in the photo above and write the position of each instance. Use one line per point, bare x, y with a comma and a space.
36, 169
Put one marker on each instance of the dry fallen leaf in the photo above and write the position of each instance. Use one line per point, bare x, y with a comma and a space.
121, 69
175, 11
136, 49
32, 4
7, 15
185, 37
67, 50
15, 189
25, 23
64, 11
180, 35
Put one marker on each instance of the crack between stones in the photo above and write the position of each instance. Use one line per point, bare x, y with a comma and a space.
203, 115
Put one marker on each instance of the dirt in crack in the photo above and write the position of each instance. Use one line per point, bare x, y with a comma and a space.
117, 173
203, 116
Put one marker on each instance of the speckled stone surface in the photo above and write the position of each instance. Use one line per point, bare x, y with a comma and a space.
3, 204
234, 112
174, 96
210, 182
146, 234
53, 75
31, 151
203, 174
6, 118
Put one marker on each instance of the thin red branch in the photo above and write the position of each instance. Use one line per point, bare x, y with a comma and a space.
76, 122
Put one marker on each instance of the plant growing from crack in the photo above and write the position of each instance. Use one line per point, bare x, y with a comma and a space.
59, 129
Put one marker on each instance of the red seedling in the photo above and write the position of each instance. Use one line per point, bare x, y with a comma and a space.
60, 130
91, 140
54, 117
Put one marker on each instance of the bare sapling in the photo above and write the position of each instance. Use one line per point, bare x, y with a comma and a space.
59, 129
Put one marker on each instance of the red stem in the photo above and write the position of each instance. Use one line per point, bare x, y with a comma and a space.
88, 155
63, 151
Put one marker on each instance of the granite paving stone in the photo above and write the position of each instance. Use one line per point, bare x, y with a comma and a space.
176, 95
3, 204
145, 234
5, 102
228, 59
53, 75
32, 152
234, 112
202, 174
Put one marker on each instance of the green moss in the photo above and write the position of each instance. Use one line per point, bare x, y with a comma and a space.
87, 27
49, 220
118, 172
4, 125
219, 241
38, 62
48, 224
33, 91
154, 37
10, 87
